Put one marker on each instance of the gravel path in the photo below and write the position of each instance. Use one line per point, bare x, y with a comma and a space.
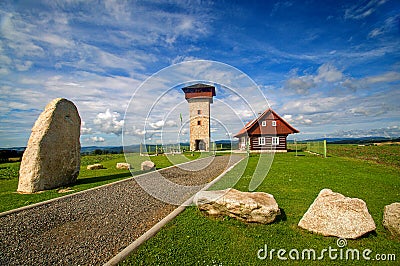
90, 228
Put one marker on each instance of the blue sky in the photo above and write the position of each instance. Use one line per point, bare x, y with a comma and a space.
330, 68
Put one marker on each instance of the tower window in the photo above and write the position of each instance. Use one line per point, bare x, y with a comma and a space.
264, 123
199, 112
274, 123
199, 123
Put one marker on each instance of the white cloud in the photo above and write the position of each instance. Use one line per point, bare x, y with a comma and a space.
171, 123
362, 10
359, 111
329, 73
139, 132
234, 98
245, 113
98, 61
85, 130
108, 122
278, 6
161, 123
183, 58
288, 117
184, 131
55, 40
120, 10
51, 35
97, 139
366, 82
351, 84
326, 73
302, 120
297, 120
386, 77
157, 125
375, 32
388, 132
341, 111
301, 85
18, 35
390, 24
23, 66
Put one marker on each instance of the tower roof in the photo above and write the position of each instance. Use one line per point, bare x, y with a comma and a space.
199, 91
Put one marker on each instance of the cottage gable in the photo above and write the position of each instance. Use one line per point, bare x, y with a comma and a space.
268, 123
267, 132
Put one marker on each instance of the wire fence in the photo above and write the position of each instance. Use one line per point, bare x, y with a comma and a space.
153, 149
317, 147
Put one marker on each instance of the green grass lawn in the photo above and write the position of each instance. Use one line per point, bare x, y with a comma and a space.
385, 154
10, 199
193, 239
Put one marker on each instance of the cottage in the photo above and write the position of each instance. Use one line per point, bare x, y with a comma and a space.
268, 132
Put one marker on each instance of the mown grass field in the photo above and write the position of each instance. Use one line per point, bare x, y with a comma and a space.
387, 154
383, 154
10, 199
193, 239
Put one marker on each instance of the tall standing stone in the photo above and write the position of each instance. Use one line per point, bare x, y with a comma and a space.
52, 157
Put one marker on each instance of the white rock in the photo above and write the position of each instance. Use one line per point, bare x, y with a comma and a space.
147, 166
258, 207
126, 166
332, 214
391, 219
95, 166
52, 156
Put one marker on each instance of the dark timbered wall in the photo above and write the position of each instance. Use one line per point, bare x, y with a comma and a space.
268, 143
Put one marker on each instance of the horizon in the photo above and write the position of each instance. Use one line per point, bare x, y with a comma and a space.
334, 139
330, 69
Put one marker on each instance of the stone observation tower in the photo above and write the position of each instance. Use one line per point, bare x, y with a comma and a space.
199, 97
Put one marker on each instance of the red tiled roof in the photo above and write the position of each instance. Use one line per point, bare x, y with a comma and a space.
253, 127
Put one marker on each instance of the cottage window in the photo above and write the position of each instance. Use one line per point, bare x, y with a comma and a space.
261, 141
274, 123
264, 123
199, 123
275, 140
243, 143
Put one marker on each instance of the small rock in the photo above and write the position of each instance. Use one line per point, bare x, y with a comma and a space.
258, 207
391, 219
95, 166
332, 214
126, 166
65, 190
147, 166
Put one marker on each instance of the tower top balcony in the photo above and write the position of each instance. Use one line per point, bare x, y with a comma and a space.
199, 91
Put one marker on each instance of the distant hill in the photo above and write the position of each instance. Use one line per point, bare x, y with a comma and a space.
226, 141
18, 151
110, 149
